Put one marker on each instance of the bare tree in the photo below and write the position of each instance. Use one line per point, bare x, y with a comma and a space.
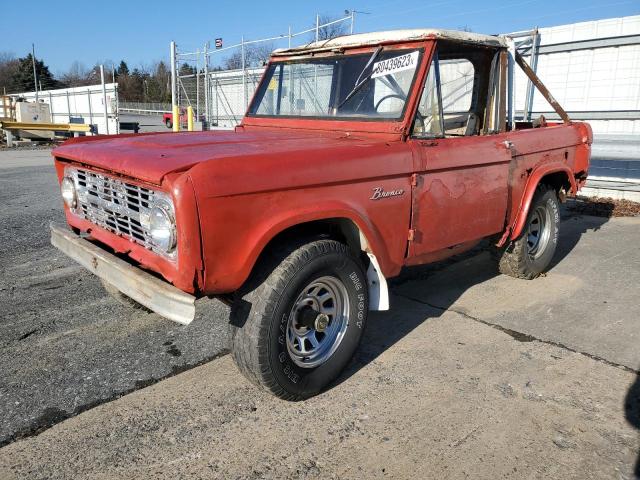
76, 76
8, 68
256, 55
328, 32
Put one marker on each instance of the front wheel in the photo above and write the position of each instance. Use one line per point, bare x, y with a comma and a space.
298, 320
168, 123
121, 297
530, 255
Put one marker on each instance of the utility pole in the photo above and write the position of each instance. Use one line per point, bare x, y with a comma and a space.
174, 85
198, 85
317, 27
206, 83
35, 75
244, 73
104, 100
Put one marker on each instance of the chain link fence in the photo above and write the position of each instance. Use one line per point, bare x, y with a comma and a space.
144, 108
219, 83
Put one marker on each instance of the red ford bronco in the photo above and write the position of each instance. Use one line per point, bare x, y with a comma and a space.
357, 156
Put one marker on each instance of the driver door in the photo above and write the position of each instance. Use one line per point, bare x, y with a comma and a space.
460, 190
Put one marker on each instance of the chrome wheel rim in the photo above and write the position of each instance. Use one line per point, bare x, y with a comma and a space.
325, 303
538, 233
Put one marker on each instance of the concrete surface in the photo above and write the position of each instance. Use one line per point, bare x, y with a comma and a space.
470, 374
587, 301
25, 157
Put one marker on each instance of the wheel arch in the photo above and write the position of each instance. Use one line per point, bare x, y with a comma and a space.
348, 231
559, 177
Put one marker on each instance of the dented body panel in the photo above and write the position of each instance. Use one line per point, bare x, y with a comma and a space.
413, 200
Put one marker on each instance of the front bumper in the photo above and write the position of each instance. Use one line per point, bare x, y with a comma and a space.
155, 294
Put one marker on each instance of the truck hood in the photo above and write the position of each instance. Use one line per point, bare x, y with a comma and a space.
149, 157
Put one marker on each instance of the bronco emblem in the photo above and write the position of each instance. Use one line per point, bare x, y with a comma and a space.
378, 193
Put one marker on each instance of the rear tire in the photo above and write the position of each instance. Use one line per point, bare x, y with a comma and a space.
168, 123
300, 317
531, 253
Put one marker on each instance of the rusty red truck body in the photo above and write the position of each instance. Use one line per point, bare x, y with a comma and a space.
356, 158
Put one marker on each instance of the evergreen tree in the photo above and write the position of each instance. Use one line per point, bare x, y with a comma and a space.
23, 76
186, 69
123, 68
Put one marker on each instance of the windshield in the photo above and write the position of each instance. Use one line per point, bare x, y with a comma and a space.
369, 86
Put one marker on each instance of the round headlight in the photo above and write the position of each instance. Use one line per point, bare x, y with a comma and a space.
162, 228
68, 189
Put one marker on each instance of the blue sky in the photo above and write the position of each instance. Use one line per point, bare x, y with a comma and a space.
140, 32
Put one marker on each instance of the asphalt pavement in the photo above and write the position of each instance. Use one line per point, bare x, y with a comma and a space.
148, 123
65, 345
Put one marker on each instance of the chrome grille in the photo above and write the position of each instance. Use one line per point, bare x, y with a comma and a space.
119, 207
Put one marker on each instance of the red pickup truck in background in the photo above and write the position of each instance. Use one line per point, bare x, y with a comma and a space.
358, 156
167, 118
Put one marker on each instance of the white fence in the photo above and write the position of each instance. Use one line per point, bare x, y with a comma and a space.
88, 105
593, 70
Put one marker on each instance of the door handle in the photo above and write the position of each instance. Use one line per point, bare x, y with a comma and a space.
508, 145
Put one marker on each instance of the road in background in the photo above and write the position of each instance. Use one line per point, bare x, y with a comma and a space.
148, 123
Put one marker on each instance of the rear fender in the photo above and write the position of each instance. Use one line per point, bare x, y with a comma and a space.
514, 230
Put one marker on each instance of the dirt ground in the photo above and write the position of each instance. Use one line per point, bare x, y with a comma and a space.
605, 207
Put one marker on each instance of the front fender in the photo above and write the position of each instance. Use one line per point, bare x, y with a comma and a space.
236, 229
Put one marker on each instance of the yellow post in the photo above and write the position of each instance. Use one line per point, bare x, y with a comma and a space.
190, 118
176, 118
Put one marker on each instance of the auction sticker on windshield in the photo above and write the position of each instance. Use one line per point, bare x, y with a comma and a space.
407, 61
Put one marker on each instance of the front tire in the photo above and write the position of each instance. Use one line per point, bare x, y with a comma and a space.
168, 123
297, 322
530, 255
121, 297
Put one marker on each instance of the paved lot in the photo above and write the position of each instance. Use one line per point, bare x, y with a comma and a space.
64, 344
148, 123
470, 374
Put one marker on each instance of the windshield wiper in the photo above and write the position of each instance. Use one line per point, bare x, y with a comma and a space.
359, 83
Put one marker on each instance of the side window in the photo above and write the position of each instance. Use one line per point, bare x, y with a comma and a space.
428, 121
446, 106
456, 79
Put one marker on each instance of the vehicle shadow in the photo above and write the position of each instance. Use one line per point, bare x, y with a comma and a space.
576, 219
453, 277
632, 414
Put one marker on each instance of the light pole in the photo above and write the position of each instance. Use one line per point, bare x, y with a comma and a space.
35, 75
352, 13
